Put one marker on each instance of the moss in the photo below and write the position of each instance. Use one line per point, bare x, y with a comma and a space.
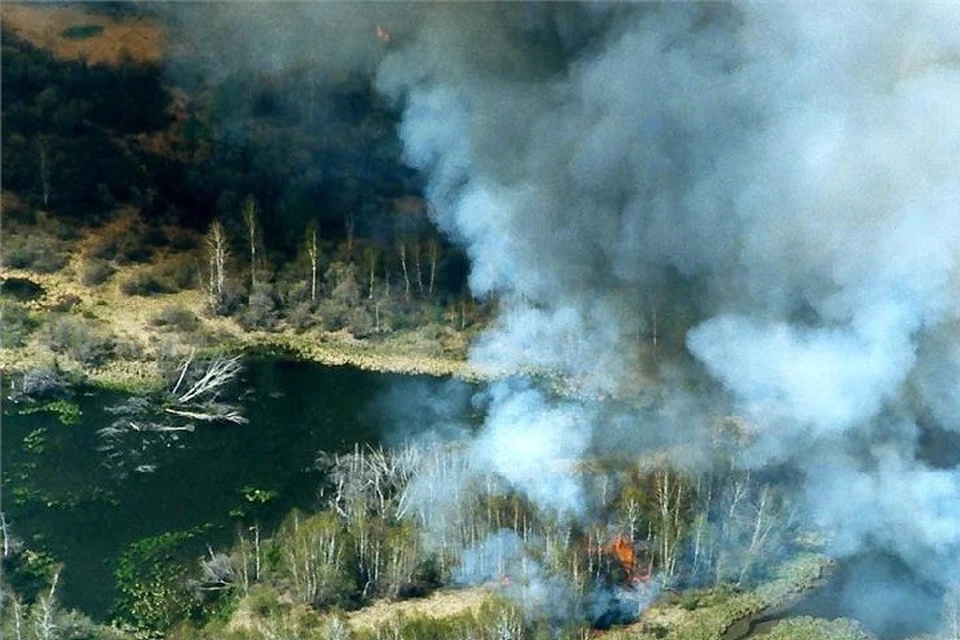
68, 413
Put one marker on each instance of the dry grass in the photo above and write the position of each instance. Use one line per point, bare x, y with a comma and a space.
43, 26
130, 319
438, 605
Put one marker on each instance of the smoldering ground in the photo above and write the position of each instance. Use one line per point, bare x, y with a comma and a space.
769, 191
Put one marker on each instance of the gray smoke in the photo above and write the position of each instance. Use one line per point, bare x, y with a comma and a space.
775, 185
764, 196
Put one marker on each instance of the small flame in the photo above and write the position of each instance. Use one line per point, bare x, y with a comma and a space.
383, 35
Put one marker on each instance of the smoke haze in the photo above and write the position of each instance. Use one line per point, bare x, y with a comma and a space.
769, 191
794, 166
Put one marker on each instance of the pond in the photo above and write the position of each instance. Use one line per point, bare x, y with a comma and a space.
881, 592
62, 498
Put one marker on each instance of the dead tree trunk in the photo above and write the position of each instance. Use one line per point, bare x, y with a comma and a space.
350, 224
253, 233
43, 150
406, 275
313, 253
419, 267
434, 256
217, 256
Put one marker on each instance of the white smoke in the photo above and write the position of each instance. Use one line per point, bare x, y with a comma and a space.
779, 181
770, 191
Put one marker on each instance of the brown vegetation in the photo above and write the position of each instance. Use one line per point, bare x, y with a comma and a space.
46, 26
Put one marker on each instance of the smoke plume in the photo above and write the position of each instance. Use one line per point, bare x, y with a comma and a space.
769, 191
749, 208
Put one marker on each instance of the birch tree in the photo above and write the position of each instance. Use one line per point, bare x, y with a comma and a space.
370, 258
217, 257
406, 274
252, 223
313, 253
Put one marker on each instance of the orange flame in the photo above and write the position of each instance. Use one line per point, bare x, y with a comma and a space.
622, 550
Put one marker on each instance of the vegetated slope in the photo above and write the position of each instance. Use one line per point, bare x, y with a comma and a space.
114, 168
73, 32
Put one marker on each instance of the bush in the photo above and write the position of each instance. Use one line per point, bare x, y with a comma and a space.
36, 252
261, 310
96, 272
143, 283
66, 302
90, 346
301, 317
177, 273
41, 383
124, 241
176, 317
15, 325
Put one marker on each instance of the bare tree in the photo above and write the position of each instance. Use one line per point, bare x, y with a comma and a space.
403, 267
313, 253
200, 399
45, 625
350, 225
434, 256
6, 534
17, 615
371, 257
386, 277
217, 257
417, 250
43, 150
670, 496
148, 422
252, 224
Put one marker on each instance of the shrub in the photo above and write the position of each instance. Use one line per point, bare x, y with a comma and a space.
261, 310
36, 252
143, 283
318, 544
301, 317
15, 324
124, 241
176, 317
66, 302
88, 345
42, 383
96, 271
177, 273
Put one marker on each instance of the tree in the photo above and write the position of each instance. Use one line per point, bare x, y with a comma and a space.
406, 275
417, 250
252, 224
371, 256
434, 248
313, 253
43, 149
217, 256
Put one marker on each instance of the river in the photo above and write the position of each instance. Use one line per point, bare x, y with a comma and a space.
61, 496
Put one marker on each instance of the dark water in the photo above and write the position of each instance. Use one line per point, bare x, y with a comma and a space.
62, 499
20, 289
881, 592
